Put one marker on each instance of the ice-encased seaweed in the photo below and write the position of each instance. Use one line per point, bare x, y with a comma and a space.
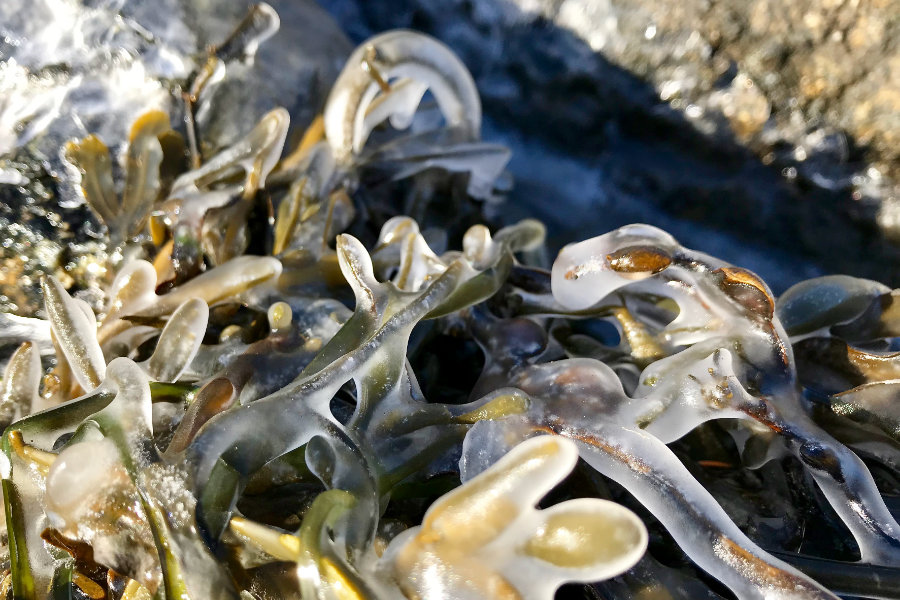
227, 427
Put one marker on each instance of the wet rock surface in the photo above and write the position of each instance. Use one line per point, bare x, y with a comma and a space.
760, 131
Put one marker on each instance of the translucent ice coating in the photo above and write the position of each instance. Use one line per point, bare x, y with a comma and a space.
723, 308
218, 284
75, 327
245, 434
364, 351
19, 389
80, 475
144, 155
656, 477
179, 341
226, 182
823, 302
840, 327
423, 64
583, 399
81, 484
385, 79
517, 551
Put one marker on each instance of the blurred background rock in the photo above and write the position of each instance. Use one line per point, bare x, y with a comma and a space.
765, 132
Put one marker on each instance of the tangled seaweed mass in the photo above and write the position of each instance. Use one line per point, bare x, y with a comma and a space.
224, 426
